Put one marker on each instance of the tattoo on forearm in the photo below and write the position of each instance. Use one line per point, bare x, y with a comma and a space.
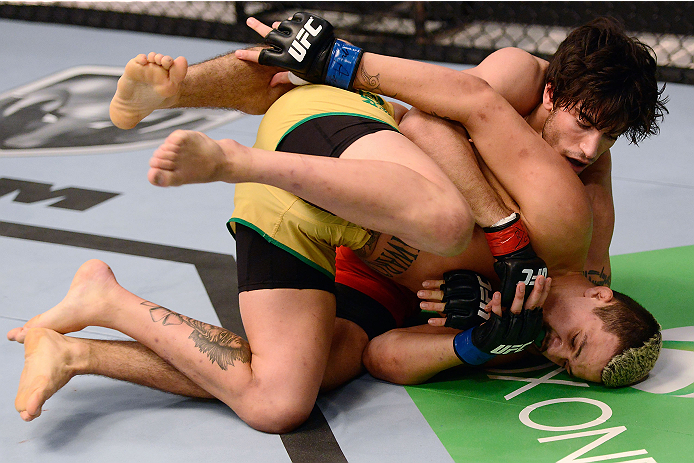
599, 278
446, 118
220, 345
371, 83
396, 258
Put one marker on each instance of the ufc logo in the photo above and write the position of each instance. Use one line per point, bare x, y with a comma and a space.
530, 276
512, 349
300, 45
485, 291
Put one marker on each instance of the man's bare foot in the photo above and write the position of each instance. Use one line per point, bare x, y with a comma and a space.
193, 157
87, 302
149, 82
50, 361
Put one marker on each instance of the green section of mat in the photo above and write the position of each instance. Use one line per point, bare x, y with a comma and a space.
543, 415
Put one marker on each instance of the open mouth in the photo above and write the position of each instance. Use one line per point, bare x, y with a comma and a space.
576, 164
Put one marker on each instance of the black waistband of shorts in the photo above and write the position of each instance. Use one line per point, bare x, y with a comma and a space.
330, 135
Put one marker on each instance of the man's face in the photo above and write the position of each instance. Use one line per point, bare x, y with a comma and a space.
576, 138
576, 339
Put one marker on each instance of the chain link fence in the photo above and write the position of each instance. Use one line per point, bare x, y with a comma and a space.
455, 32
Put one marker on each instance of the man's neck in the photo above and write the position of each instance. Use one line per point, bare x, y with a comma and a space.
537, 118
571, 284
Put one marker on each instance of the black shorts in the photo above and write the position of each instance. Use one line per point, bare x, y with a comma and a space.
262, 265
330, 135
366, 312
269, 266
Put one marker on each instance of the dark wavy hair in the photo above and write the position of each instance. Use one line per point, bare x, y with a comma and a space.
610, 78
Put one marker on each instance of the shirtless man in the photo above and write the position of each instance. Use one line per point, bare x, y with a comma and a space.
545, 94
582, 143
564, 249
93, 273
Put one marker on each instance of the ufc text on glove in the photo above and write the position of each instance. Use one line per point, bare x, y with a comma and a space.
306, 45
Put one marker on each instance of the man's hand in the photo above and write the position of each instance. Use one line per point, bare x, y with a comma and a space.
516, 260
432, 299
465, 295
505, 333
306, 45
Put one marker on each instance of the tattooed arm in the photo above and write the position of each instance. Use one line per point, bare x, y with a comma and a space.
597, 179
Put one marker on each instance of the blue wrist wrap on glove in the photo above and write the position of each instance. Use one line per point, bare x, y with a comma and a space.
467, 352
343, 64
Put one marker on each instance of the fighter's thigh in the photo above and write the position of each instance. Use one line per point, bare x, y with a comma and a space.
433, 134
290, 333
391, 146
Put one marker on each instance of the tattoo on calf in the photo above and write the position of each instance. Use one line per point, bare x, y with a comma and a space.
220, 345
599, 278
396, 258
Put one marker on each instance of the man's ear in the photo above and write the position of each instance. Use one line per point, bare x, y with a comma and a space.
602, 293
547, 95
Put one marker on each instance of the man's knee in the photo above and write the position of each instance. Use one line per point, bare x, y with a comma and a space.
278, 416
421, 127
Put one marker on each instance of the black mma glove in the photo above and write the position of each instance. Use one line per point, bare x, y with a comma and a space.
466, 294
507, 334
515, 258
306, 45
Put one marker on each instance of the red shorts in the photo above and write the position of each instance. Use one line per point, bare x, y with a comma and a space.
399, 301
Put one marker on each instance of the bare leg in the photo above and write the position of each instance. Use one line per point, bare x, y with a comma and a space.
447, 144
272, 388
156, 81
364, 186
149, 82
344, 363
52, 359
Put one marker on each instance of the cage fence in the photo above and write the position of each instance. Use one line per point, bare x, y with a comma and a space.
455, 32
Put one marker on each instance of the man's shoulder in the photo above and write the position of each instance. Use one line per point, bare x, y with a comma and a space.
516, 56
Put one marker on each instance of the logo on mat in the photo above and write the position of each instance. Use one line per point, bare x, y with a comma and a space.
673, 373
67, 113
